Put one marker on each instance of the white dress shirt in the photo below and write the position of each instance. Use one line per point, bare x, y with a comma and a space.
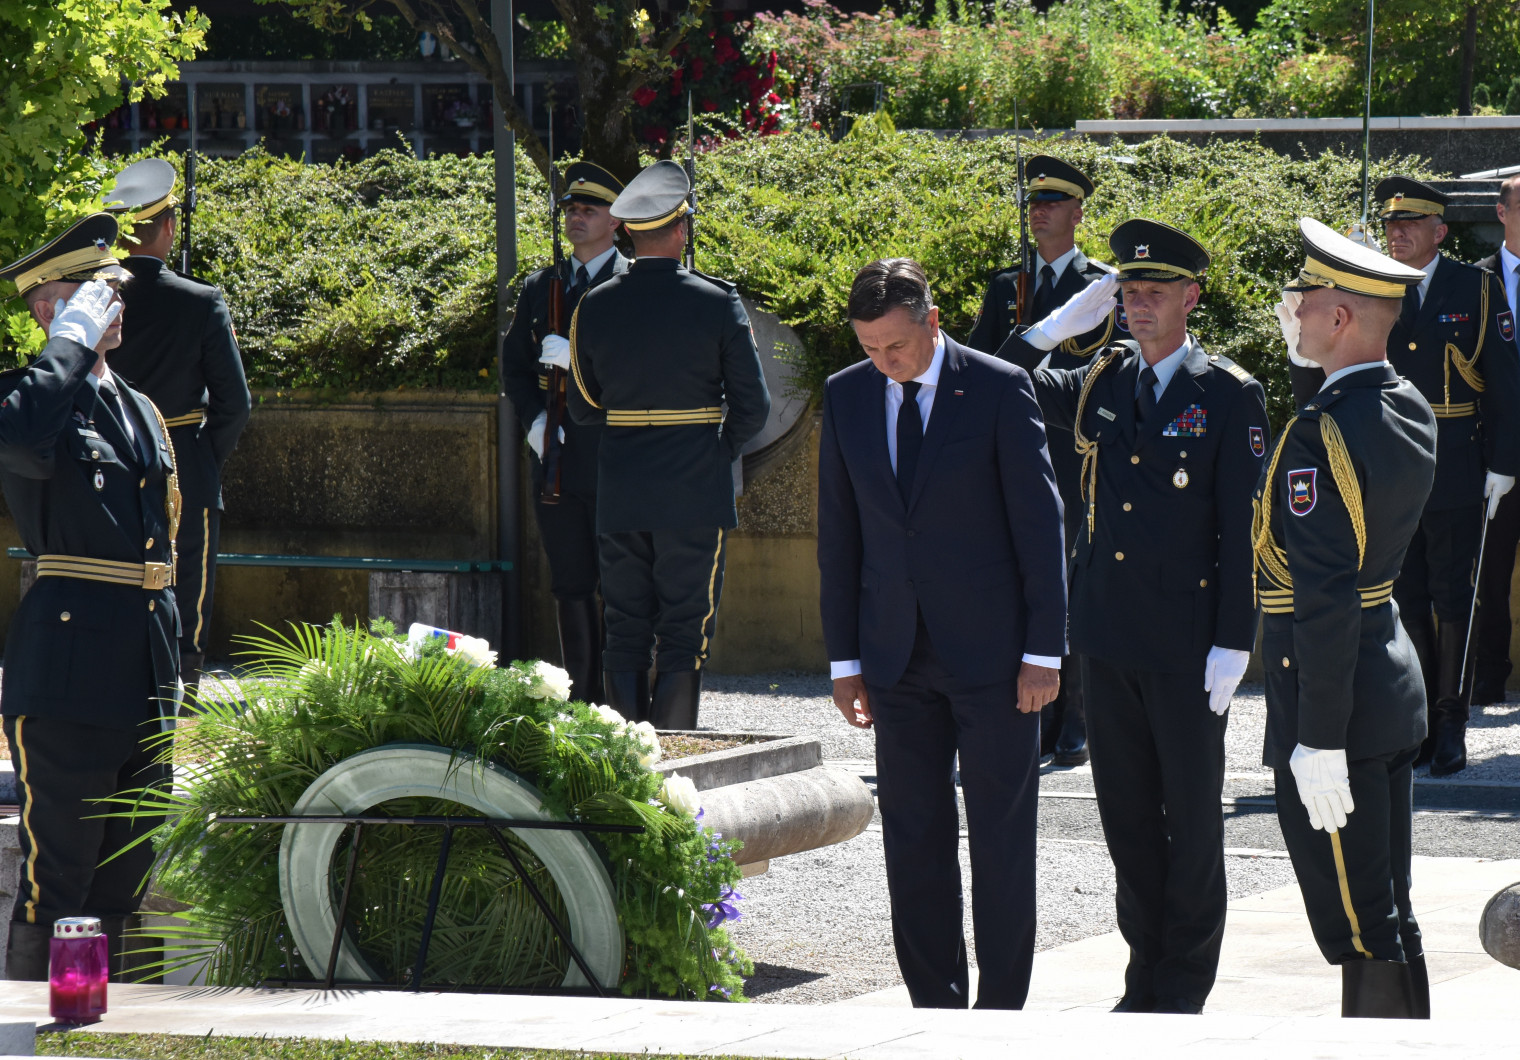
593, 266
929, 381
1166, 368
1059, 265
123, 412
1429, 270
1508, 263
1339, 372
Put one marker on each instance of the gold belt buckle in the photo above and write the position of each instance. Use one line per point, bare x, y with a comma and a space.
156, 575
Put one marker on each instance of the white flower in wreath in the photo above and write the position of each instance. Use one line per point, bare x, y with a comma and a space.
477, 650
680, 794
549, 682
610, 716
648, 740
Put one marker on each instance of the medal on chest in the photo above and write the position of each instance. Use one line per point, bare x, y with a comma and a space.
1180, 478
100, 479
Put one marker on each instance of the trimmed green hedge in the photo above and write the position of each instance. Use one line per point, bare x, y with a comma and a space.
381, 274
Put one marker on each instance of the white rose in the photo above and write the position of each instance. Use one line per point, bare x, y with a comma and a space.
643, 733
549, 682
680, 794
475, 649
610, 716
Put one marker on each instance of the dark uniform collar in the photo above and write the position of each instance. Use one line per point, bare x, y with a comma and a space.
655, 264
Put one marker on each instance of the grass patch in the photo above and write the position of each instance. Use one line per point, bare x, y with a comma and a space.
183, 1047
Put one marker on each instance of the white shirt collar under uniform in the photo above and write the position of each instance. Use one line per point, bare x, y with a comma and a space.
1059, 265
1167, 367
1508, 263
1429, 271
593, 266
1340, 372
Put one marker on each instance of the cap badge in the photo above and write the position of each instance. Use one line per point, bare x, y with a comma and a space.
100, 244
1398, 196
1142, 250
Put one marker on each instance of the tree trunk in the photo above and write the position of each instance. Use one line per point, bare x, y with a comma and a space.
599, 45
1469, 60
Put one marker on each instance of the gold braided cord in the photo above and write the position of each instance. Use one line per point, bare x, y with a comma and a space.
1266, 556
174, 504
1086, 447
1467, 367
1345, 480
1070, 345
575, 360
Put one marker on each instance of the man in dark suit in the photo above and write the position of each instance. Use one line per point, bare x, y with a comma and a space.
178, 348
1162, 611
535, 344
1337, 506
944, 612
1491, 640
1055, 192
91, 657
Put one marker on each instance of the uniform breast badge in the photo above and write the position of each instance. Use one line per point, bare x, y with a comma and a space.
1302, 492
1180, 478
1193, 423
100, 479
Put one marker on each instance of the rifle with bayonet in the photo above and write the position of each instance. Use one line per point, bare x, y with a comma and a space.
691, 179
1365, 226
1024, 278
554, 325
186, 209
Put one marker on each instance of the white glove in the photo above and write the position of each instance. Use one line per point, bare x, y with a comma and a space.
1323, 785
555, 352
1494, 488
1222, 672
1287, 319
86, 315
536, 434
1084, 311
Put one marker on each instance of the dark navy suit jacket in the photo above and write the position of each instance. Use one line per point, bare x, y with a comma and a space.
977, 548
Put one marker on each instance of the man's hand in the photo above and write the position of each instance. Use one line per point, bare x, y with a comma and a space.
1495, 486
86, 315
1081, 313
850, 697
1222, 672
1324, 786
554, 352
1038, 685
536, 434
1287, 319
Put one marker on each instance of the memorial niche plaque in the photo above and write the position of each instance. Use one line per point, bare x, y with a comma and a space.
221, 108
278, 110
334, 109
392, 107
448, 109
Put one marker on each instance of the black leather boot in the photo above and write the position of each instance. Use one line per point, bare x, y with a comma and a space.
1449, 718
27, 951
1071, 744
676, 698
1377, 990
628, 693
580, 646
1419, 977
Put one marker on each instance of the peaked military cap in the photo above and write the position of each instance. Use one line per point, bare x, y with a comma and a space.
1048, 179
654, 198
1332, 260
143, 190
589, 183
81, 252
1150, 250
1404, 199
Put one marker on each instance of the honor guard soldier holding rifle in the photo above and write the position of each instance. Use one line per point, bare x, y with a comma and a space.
1337, 506
535, 347
656, 354
178, 348
91, 658
1162, 612
1057, 272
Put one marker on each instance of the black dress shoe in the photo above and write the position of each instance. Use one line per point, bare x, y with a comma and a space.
1377, 990
1132, 1003
1177, 1006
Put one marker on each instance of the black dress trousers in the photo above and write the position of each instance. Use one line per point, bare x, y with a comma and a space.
1492, 637
922, 723
200, 532
1158, 769
1440, 566
1356, 881
661, 590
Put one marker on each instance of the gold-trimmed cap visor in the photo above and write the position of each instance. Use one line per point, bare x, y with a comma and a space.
1156, 252
79, 253
1332, 260
589, 183
654, 198
1404, 198
142, 191
1047, 178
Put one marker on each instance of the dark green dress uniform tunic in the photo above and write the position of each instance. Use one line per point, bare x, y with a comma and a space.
88, 662
665, 358
1339, 503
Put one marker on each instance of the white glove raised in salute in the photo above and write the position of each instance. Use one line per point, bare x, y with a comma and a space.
554, 352
1495, 486
1081, 313
85, 317
1324, 786
1287, 319
1222, 672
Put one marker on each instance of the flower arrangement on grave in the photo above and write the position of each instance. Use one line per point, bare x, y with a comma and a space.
320, 694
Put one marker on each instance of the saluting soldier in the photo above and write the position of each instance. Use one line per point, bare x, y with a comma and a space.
1338, 504
1454, 339
1162, 613
179, 349
1055, 192
656, 354
91, 658
533, 346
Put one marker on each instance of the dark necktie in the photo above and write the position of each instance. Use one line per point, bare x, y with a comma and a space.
1045, 293
1145, 401
910, 438
116, 413
582, 278
1411, 306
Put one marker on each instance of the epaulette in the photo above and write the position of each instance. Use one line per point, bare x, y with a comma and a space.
721, 284
1103, 267
1320, 402
1219, 360
1122, 347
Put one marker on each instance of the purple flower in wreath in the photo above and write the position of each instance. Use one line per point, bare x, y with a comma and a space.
724, 908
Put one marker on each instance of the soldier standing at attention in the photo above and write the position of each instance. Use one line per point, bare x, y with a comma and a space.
1162, 612
1454, 339
1055, 192
91, 657
656, 353
534, 345
1337, 506
178, 348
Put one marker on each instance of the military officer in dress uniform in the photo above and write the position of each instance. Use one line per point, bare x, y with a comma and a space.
1161, 613
1455, 341
1055, 192
656, 353
178, 348
92, 657
533, 346
1338, 503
